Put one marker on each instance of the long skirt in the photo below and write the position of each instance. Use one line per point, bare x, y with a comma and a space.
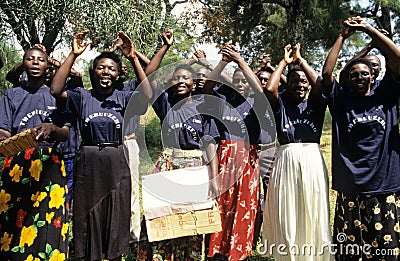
238, 203
367, 227
33, 214
132, 150
101, 206
182, 248
296, 214
266, 159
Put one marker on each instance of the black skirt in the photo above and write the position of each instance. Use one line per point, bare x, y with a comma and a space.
101, 203
367, 227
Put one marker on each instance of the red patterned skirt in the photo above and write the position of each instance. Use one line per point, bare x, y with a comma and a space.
238, 203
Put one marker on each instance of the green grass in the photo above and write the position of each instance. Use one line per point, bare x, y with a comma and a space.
326, 148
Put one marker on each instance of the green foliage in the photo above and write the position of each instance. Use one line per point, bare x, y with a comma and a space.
260, 27
33, 20
10, 56
53, 23
149, 141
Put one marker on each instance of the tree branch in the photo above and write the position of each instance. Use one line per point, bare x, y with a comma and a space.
15, 23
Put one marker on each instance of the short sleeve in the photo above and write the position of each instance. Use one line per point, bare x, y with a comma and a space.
6, 112
74, 100
161, 104
138, 105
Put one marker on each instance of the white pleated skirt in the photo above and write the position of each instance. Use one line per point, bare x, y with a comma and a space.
296, 217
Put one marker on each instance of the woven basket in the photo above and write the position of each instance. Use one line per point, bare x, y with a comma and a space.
18, 142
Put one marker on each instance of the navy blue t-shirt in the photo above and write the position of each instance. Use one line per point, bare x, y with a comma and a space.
184, 125
267, 134
299, 122
100, 116
23, 107
365, 144
130, 86
236, 119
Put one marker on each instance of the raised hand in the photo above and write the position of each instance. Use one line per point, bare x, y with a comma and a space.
125, 44
297, 56
201, 57
288, 52
78, 44
200, 54
228, 52
265, 61
41, 46
356, 23
114, 47
168, 37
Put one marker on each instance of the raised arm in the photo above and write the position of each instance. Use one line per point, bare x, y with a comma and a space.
273, 82
168, 39
381, 42
251, 77
125, 44
78, 47
14, 74
142, 58
311, 74
331, 59
202, 60
215, 74
264, 63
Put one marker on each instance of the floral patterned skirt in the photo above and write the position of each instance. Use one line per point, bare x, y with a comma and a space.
33, 214
367, 227
178, 249
238, 203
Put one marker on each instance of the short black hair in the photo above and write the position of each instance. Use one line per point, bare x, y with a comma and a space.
237, 70
346, 70
110, 55
292, 71
34, 48
186, 67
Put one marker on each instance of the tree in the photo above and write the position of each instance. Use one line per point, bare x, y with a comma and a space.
10, 57
266, 26
53, 23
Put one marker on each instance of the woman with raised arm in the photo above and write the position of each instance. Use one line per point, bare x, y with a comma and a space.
102, 180
296, 210
238, 163
33, 184
189, 138
365, 149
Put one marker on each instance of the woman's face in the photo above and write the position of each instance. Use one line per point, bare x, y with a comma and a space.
264, 77
35, 63
360, 79
376, 64
240, 83
298, 85
182, 80
106, 73
201, 74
